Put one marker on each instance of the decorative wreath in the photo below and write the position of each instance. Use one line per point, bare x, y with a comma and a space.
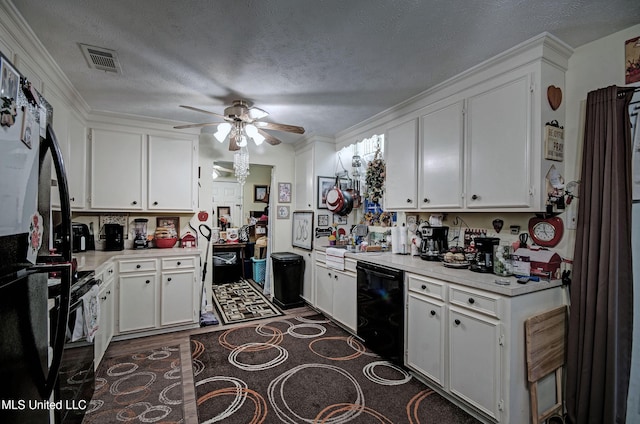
375, 178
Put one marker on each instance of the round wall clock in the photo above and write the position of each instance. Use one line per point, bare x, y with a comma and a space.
546, 232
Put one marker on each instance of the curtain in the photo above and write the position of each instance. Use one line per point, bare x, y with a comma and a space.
601, 314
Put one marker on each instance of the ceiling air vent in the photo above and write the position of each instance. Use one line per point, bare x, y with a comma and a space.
101, 58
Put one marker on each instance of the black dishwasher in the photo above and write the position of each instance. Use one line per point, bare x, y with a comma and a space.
381, 310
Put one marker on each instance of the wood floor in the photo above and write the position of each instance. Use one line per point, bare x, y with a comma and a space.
181, 338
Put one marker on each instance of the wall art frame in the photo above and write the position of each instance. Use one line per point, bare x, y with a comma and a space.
302, 231
284, 192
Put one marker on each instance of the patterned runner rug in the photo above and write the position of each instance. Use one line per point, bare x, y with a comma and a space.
306, 370
140, 388
241, 301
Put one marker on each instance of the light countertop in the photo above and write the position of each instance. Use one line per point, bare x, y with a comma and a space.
482, 281
93, 259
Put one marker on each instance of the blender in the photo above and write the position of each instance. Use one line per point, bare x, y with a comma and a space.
140, 230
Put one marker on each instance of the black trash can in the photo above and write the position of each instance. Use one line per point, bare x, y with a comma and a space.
288, 276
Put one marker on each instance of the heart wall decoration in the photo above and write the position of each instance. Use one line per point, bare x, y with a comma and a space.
554, 95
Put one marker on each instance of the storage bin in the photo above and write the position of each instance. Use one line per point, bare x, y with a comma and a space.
224, 258
259, 267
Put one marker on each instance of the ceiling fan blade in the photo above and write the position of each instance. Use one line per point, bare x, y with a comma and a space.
269, 138
257, 113
233, 145
280, 127
203, 111
208, 124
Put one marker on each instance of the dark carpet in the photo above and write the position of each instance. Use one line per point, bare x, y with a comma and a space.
242, 301
306, 370
140, 388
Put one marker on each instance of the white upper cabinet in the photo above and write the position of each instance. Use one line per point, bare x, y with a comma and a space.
304, 180
172, 174
499, 146
476, 141
77, 164
118, 167
401, 183
119, 178
442, 157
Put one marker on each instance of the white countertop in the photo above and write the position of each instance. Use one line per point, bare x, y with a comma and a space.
93, 259
482, 281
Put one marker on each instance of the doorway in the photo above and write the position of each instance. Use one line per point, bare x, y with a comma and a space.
227, 203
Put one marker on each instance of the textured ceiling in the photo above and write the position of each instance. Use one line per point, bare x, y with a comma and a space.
322, 64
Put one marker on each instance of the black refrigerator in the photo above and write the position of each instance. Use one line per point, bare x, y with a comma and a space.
30, 349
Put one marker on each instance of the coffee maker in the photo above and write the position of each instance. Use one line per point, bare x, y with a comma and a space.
483, 260
114, 237
434, 242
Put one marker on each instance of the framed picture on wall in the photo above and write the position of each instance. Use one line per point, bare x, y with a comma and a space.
283, 212
261, 193
284, 192
302, 231
324, 185
323, 220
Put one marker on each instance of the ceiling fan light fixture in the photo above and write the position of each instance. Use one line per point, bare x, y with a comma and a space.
223, 131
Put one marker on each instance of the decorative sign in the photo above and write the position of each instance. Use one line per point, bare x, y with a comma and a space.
302, 231
323, 232
553, 143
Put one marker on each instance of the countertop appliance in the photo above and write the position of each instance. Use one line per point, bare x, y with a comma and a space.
380, 310
82, 237
483, 260
140, 227
114, 237
434, 242
28, 148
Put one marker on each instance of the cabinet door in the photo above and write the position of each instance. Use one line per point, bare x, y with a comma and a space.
400, 149
177, 297
474, 359
77, 163
105, 331
425, 337
118, 165
308, 282
324, 289
304, 193
137, 302
345, 299
172, 174
499, 146
442, 158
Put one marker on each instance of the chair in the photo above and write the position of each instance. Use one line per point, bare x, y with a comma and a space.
545, 345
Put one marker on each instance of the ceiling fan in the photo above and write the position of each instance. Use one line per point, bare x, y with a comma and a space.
242, 121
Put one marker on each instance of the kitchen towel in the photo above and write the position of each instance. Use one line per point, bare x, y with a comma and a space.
87, 317
335, 258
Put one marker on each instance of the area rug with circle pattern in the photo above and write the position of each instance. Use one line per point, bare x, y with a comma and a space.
145, 387
306, 370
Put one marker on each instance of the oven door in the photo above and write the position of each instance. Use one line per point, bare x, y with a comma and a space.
381, 310
76, 378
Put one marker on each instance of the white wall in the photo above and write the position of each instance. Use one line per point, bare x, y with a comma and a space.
596, 65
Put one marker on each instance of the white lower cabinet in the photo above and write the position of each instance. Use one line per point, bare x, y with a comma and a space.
107, 309
475, 360
425, 333
336, 292
468, 344
137, 302
177, 297
157, 293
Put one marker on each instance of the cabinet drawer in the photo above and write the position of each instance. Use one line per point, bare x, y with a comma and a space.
321, 257
139, 265
179, 263
350, 265
475, 300
427, 286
